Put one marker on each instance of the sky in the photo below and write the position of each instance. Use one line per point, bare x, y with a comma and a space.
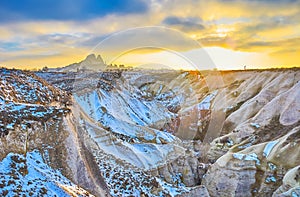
233, 33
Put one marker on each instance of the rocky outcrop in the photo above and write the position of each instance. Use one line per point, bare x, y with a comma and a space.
163, 133
256, 170
40, 153
196, 191
290, 184
91, 63
236, 161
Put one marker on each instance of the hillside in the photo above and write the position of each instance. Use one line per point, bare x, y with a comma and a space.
35, 144
158, 132
91, 62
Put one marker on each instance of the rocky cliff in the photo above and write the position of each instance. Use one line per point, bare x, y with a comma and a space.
91, 62
40, 155
153, 132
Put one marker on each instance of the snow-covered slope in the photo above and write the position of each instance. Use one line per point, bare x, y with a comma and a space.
152, 119
35, 143
28, 175
126, 124
154, 132
24, 97
260, 137
25, 87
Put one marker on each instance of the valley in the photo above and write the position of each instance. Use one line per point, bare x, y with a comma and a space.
150, 132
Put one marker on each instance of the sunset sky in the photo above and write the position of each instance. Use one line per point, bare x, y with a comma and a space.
234, 33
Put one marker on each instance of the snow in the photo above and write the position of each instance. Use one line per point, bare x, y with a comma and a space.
151, 154
26, 97
247, 157
255, 125
132, 120
126, 124
205, 104
141, 155
238, 156
122, 114
25, 87
125, 180
10, 126
252, 157
125, 128
172, 191
294, 194
272, 166
269, 147
227, 109
30, 175
270, 179
18, 113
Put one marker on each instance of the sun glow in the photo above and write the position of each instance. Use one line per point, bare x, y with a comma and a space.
222, 31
